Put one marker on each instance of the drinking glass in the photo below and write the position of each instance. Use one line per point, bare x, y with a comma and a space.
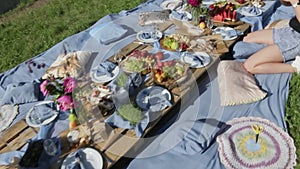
50, 147
36, 117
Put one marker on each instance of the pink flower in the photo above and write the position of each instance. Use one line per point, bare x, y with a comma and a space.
43, 87
194, 3
65, 103
69, 84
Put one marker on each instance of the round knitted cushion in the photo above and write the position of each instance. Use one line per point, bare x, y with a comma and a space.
238, 147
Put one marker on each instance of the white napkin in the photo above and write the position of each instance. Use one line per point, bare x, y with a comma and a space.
172, 4
108, 33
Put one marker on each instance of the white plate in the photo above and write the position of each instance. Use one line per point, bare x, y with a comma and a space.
189, 58
149, 36
90, 158
225, 31
33, 123
244, 11
103, 78
142, 98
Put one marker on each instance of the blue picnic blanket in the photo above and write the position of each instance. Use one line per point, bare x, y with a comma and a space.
202, 112
204, 119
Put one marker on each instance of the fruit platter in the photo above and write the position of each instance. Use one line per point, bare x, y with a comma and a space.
175, 42
224, 12
140, 61
169, 73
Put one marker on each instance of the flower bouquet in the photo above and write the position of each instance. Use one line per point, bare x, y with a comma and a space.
195, 8
61, 90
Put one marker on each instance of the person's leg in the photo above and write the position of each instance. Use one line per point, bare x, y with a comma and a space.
264, 36
267, 60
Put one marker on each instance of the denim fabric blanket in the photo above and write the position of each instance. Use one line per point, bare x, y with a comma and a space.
202, 113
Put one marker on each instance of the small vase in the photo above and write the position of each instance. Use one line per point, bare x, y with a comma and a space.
195, 17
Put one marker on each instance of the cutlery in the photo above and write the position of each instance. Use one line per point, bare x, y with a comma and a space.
102, 69
147, 35
78, 160
105, 70
141, 43
163, 100
196, 58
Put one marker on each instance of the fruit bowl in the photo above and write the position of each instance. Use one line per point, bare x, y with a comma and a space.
175, 42
171, 74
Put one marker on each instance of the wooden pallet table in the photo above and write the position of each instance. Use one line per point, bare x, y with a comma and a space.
121, 142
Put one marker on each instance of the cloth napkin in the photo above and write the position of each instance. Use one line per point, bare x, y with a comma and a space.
108, 32
42, 111
252, 10
139, 128
172, 5
20, 93
105, 68
134, 81
183, 16
157, 100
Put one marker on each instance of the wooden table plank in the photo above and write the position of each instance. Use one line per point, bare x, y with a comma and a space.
27, 134
15, 137
13, 131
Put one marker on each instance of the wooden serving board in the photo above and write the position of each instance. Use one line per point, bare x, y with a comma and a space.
227, 23
237, 3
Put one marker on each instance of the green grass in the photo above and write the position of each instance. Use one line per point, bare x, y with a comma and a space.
293, 111
27, 33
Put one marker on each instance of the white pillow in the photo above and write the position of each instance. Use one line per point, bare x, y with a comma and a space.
236, 85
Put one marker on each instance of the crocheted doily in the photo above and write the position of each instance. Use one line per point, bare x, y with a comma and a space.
238, 147
7, 114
